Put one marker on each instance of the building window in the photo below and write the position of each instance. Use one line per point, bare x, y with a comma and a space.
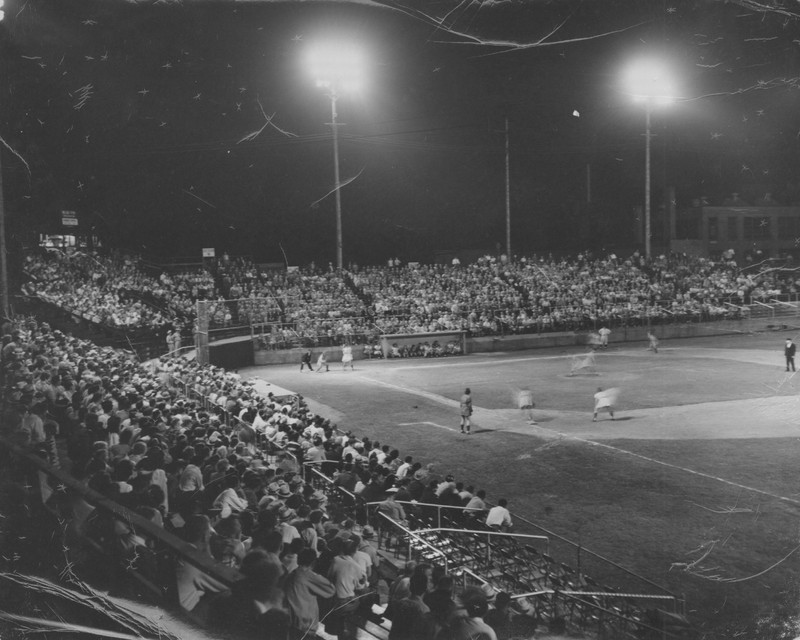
756, 228
788, 227
713, 231
733, 232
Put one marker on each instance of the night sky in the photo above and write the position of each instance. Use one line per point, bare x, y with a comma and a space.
135, 115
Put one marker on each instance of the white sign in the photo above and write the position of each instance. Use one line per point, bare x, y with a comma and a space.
69, 219
208, 252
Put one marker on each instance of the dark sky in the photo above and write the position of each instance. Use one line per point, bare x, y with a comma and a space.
134, 114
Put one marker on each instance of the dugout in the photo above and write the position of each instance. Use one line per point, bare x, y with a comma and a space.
407, 339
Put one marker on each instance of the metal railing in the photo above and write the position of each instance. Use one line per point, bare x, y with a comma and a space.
416, 546
608, 614
588, 562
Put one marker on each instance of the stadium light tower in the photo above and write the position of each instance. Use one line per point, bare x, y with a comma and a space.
337, 67
4, 295
649, 82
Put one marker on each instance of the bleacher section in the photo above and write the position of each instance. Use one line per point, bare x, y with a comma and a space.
85, 529
309, 307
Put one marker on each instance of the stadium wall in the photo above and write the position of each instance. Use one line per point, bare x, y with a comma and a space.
234, 354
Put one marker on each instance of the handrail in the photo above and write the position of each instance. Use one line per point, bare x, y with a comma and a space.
610, 612
788, 304
735, 306
413, 535
226, 575
582, 549
468, 572
439, 507
762, 304
322, 476
549, 535
488, 533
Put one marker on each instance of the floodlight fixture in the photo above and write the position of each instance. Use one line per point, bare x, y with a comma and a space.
649, 81
338, 67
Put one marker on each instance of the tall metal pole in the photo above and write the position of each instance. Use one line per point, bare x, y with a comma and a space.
334, 126
647, 182
4, 298
508, 197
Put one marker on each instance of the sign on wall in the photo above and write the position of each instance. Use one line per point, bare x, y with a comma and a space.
69, 218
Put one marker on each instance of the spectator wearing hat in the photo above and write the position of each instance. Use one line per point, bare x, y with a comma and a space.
288, 532
392, 508
411, 619
366, 545
303, 588
470, 624
308, 533
417, 484
254, 609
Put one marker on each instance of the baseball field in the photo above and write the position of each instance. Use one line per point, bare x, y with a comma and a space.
693, 486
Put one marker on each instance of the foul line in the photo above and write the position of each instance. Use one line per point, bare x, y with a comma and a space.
452, 403
416, 392
433, 424
670, 465
702, 352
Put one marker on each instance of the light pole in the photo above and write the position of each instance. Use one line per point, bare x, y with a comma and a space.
336, 182
337, 67
647, 134
4, 295
649, 82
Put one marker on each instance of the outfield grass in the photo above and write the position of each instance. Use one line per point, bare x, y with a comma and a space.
674, 512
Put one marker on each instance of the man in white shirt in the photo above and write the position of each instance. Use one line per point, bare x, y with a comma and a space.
499, 517
403, 469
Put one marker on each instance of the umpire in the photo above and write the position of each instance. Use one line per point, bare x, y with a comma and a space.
788, 351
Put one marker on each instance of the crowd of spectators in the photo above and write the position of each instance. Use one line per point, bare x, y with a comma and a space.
114, 291
200, 452
492, 296
95, 288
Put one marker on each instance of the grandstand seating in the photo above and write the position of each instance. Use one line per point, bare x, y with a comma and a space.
309, 307
178, 400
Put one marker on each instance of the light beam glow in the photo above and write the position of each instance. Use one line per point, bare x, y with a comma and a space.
650, 80
337, 65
